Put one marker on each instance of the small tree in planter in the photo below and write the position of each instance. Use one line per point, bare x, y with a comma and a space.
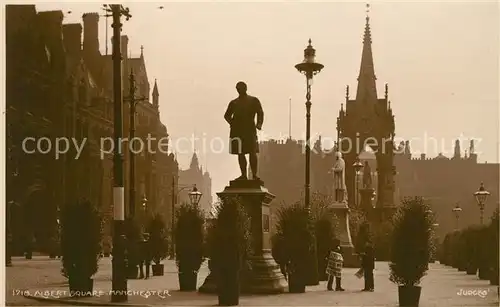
462, 250
470, 249
80, 246
325, 225
189, 245
294, 235
230, 248
445, 254
158, 243
456, 256
483, 249
325, 237
411, 249
134, 237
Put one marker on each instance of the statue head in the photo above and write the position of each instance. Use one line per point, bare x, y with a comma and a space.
338, 155
241, 87
366, 163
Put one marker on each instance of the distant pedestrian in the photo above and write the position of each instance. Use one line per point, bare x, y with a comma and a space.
368, 265
334, 269
145, 251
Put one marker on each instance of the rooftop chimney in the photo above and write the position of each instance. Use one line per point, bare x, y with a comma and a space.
72, 34
91, 32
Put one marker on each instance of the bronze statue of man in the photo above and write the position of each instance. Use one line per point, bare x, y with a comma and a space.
240, 115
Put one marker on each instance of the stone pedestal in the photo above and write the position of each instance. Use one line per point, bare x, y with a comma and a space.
351, 260
265, 276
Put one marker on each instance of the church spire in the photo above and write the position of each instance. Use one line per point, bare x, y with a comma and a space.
367, 88
195, 165
156, 95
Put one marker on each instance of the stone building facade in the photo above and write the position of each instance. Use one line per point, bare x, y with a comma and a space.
444, 181
58, 87
195, 175
396, 174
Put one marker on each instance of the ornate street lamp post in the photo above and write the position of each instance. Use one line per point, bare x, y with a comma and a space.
144, 204
309, 67
195, 196
481, 197
194, 199
357, 168
119, 264
457, 210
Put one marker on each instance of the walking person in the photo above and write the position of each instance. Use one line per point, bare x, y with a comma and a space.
368, 265
145, 256
334, 269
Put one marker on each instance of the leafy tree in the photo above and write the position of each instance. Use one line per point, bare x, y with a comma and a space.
411, 242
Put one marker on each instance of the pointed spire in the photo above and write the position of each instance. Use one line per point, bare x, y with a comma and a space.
142, 51
347, 93
386, 91
195, 164
156, 94
367, 89
457, 152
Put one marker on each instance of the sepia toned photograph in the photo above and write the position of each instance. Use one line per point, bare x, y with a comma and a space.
252, 153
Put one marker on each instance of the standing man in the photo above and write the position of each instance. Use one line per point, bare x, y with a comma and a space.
368, 265
240, 115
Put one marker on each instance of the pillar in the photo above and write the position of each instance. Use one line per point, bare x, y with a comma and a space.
265, 276
341, 210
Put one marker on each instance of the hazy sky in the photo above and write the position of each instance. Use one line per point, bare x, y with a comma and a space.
440, 60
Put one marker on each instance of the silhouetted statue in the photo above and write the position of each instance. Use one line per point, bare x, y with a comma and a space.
339, 177
240, 115
367, 176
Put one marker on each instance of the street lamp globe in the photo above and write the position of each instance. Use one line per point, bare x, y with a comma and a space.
457, 210
195, 196
309, 66
357, 166
144, 202
481, 196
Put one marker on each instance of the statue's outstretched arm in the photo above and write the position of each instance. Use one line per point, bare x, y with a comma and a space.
228, 116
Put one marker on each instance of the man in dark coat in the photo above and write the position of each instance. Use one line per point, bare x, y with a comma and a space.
240, 115
368, 265
145, 256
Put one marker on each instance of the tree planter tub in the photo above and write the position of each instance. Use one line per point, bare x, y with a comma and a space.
409, 296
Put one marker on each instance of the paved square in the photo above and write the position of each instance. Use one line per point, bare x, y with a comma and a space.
441, 287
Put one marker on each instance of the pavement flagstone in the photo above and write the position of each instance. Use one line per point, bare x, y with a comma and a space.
443, 286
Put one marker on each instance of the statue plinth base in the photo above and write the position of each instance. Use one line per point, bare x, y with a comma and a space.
265, 276
341, 210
